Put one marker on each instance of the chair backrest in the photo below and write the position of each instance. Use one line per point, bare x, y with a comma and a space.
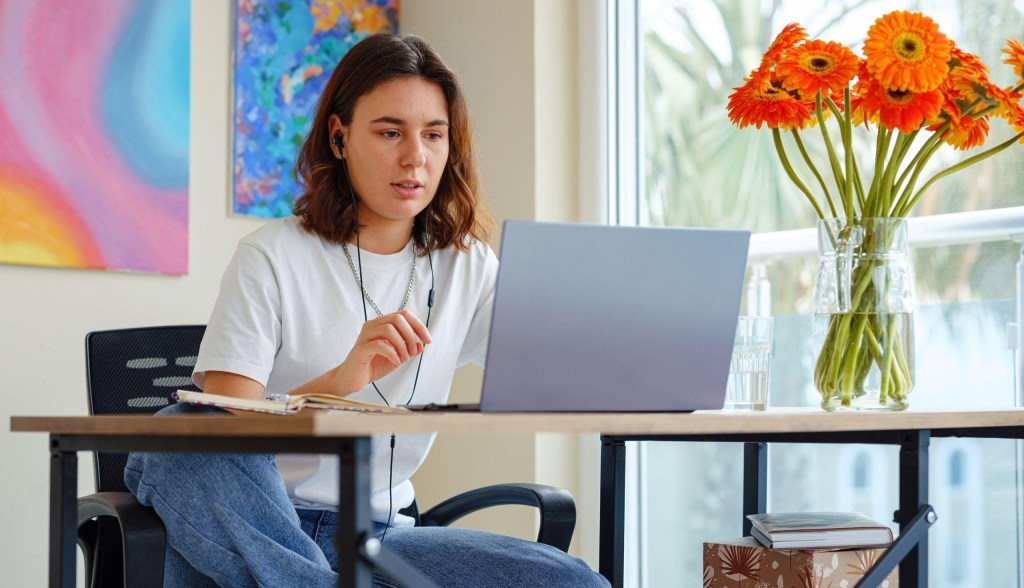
135, 371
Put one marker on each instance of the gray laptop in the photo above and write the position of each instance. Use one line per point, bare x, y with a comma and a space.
606, 318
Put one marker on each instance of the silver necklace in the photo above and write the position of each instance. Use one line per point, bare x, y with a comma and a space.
359, 282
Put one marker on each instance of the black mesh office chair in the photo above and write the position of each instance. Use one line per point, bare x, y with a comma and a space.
134, 371
129, 371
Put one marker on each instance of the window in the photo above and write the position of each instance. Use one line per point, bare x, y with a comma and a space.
863, 478
677, 161
960, 547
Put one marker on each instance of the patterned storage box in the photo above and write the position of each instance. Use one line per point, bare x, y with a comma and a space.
745, 563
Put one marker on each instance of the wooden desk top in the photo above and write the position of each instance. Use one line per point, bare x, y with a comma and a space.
323, 424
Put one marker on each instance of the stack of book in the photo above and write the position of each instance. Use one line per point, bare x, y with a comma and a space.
799, 549
818, 530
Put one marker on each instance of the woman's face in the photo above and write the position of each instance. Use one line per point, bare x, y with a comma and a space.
396, 149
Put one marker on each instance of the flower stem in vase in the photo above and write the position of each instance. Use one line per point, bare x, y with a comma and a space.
862, 360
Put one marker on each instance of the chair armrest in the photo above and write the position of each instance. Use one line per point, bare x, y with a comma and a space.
143, 538
557, 509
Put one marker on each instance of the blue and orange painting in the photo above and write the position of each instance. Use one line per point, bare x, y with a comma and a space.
284, 53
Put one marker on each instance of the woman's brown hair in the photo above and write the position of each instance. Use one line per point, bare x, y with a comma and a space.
325, 207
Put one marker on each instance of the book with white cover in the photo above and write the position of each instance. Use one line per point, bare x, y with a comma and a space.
818, 530
291, 404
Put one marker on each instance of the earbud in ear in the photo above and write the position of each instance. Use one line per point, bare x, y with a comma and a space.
336, 141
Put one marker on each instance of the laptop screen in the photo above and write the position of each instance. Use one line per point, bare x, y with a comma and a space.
610, 318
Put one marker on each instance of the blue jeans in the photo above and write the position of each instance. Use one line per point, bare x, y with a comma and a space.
230, 523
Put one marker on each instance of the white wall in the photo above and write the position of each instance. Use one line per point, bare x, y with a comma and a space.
516, 61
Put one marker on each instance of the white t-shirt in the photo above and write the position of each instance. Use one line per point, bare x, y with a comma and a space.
289, 310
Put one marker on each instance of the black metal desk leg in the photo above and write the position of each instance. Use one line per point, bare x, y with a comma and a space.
63, 514
613, 510
755, 481
354, 523
913, 497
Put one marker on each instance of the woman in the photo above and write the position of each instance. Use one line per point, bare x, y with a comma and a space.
390, 211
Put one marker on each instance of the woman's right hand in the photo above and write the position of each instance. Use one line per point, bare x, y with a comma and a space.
384, 343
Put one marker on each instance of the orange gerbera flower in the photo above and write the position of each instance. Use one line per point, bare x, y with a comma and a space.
788, 37
967, 76
910, 78
952, 110
1006, 98
757, 103
958, 58
971, 86
814, 66
864, 79
964, 132
1018, 124
1015, 56
864, 85
965, 85
898, 109
1013, 114
906, 52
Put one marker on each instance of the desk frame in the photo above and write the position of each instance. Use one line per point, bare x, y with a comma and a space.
348, 437
913, 484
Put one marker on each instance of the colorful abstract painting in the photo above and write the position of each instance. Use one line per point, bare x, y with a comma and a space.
284, 54
94, 116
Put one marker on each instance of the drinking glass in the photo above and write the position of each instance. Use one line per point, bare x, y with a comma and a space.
751, 359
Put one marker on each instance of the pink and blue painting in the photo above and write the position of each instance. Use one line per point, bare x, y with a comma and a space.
284, 52
94, 134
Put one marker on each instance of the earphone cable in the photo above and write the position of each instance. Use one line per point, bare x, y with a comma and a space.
359, 261
430, 307
419, 364
391, 473
366, 318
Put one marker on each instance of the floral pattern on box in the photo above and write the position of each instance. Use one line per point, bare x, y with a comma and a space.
745, 563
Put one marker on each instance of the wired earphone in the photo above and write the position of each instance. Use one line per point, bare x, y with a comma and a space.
338, 142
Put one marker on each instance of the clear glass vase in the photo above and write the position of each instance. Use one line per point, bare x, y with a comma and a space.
863, 317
